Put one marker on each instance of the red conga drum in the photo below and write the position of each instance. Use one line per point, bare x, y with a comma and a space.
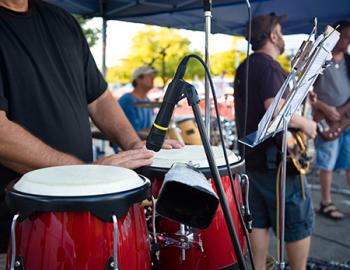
83, 217
187, 248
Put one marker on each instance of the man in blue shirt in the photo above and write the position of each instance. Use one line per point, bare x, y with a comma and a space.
140, 118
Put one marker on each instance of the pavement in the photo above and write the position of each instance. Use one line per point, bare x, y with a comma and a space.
331, 239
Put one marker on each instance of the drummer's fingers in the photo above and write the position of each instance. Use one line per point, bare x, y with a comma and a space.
105, 160
136, 153
130, 156
136, 163
133, 159
166, 146
178, 144
124, 157
129, 163
169, 144
140, 153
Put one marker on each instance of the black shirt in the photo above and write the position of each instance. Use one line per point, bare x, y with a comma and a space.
266, 77
47, 78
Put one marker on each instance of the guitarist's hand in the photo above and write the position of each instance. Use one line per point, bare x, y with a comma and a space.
331, 113
313, 97
309, 127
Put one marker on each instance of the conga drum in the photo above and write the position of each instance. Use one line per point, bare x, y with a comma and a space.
187, 248
79, 217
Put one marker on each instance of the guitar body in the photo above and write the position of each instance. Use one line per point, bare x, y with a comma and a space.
330, 130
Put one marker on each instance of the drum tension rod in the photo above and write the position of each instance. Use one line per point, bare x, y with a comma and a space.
247, 216
114, 263
16, 262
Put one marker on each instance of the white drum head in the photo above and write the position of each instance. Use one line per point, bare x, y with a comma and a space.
78, 180
191, 153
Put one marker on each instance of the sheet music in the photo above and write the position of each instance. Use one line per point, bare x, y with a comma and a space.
263, 124
318, 57
314, 65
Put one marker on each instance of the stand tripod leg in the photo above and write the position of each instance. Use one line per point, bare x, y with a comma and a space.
282, 201
218, 185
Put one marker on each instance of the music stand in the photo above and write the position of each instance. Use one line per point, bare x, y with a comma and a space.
309, 62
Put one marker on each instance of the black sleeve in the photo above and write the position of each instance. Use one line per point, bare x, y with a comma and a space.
95, 84
3, 99
271, 81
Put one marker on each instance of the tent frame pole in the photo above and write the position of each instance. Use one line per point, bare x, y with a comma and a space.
208, 17
104, 45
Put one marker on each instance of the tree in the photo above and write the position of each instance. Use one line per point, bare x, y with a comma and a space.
284, 61
91, 34
227, 60
162, 48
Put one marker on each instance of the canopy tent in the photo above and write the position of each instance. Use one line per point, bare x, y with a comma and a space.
229, 16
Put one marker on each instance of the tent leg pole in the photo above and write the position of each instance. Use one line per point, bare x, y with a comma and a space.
208, 16
104, 44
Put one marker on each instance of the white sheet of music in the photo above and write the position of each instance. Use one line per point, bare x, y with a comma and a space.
313, 66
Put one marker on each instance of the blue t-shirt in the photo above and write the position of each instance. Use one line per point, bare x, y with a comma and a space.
139, 118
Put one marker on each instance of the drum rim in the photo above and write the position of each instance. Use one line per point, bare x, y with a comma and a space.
163, 157
13, 190
240, 164
117, 203
63, 177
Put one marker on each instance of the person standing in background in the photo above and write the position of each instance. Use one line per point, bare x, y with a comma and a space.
140, 118
266, 76
333, 90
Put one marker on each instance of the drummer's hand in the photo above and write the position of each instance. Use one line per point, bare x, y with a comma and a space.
172, 144
168, 144
130, 159
139, 145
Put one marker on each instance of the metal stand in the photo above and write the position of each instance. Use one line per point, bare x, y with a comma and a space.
193, 100
280, 263
104, 45
208, 16
115, 264
14, 262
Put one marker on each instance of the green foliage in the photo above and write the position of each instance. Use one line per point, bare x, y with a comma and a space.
150, 45
91, 34
284, 61
162, 48
228, 60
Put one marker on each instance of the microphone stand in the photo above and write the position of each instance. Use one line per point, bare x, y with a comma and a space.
193, 100
177, 90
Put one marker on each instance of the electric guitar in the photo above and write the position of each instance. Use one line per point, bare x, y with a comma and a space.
298, 151
299, 145
330, 130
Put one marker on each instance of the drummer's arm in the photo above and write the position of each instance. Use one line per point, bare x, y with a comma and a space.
23, 152
108, 116
143, 133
